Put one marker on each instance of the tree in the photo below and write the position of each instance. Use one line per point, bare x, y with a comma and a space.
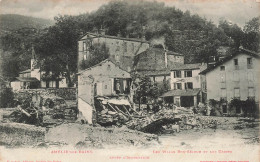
233, 31
251, 39
145, 89
58, 47
16, 50
98, 53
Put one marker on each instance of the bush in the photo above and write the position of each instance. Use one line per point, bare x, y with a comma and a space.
6, 98
216, 107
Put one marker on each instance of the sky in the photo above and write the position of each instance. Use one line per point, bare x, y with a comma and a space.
236, 11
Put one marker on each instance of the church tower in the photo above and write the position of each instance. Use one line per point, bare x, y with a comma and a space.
33, 59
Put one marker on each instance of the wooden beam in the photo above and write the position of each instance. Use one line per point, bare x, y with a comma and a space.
126, 110
112, 107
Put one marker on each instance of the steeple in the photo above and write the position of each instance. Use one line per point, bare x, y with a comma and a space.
33, 59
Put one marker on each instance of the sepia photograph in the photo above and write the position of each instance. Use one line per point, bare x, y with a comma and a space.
129, 80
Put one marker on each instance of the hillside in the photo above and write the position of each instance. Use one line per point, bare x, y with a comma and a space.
9, 22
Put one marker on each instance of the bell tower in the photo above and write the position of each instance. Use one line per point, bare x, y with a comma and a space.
33, 59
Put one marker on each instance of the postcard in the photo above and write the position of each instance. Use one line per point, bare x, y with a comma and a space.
129, 80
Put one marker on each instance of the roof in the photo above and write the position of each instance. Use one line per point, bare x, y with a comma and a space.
155, 73
179, 92
241, 51
173, 53
99, 64
29, 79
114, 37
185, 66
25, 71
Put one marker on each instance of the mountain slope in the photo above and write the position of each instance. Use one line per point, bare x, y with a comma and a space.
9, 22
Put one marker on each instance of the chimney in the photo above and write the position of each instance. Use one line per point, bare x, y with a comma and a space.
165, 58
102, 31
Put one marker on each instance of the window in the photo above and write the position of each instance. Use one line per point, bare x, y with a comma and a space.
222, 78
235, 62
117, 58
250, 76
84, 46
222, 68
125, 47
223, 94
224, 109
177, 86
236, 76
237, 93
249, 63
108, 67
251, 92
117, 46
189, 85
84, 57
177, 74
188, 73
105, 86
133, 47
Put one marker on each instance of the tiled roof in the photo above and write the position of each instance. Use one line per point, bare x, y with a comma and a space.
178, 92
25, 71
241, 50
99, 64
174, 53
185, 66
29, 79
155, 73
115, 37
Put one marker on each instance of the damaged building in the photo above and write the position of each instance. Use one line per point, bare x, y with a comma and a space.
104, 84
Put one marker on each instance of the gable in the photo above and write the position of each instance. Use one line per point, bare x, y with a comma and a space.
242, 63
231, 57
107, 69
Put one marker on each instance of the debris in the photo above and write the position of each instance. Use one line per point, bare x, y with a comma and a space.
42, 110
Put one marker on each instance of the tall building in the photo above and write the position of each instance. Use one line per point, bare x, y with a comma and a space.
121, 50
236, 76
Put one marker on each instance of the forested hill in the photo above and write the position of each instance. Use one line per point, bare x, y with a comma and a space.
56, 47
10, 22
191, 35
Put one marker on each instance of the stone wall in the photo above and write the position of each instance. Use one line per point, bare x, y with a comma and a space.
65, 93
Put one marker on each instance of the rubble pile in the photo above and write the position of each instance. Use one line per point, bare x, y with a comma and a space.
113, 111
41, 111
177, 114
172, 119
108, 118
